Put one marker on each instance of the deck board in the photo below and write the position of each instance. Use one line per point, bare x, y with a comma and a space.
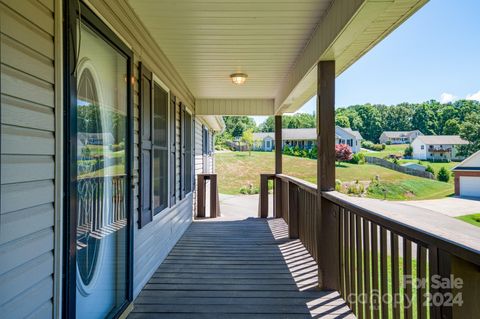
237, 269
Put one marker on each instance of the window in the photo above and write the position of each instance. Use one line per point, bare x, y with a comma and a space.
160, 148
186, 180
206, 143
154, 144
422, 147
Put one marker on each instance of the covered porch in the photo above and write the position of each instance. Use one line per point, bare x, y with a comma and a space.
238, 266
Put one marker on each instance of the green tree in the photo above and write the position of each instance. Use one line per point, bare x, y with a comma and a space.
408, 151
424, 118
430, 169
342, 120
451, 127
372, 122
247, 138
443, 175
470, 131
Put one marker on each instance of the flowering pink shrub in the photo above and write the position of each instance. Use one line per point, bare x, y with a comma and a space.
343, 152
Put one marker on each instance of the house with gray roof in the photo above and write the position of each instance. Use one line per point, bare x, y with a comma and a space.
305, 138
438, 147
399, 137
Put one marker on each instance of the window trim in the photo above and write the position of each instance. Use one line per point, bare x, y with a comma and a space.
156, 80
183, 111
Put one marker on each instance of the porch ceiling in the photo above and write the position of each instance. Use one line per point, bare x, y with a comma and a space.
209, 40
276, 42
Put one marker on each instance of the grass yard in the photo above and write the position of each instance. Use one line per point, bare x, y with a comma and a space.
396, 149
473, 219
238, 169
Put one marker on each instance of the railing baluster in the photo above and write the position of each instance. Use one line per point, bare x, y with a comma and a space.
352, 262
366, 267
395, 265
422, 306
341, 252
407, 277
359, 270
384, 271
346, 255
375, 272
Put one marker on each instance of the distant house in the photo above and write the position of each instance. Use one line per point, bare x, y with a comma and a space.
399, 137
467, 176
350, 137
437, 147
305, 138
96, 138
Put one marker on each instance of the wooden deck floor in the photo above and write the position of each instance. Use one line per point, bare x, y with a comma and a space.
237, 269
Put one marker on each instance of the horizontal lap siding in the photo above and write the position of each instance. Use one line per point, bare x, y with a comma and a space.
27, 158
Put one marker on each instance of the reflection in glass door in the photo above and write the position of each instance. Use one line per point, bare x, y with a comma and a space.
101, 177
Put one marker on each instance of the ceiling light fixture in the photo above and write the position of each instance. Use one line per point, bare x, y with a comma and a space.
238, 78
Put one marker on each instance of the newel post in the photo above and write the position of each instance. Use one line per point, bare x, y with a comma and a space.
327, 225
277, 202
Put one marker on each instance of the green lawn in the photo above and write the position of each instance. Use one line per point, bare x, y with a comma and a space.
238, 169
396, 149
473, 219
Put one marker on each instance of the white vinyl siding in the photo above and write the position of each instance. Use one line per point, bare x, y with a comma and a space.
27, 158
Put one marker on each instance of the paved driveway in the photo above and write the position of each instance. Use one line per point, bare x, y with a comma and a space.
451, 206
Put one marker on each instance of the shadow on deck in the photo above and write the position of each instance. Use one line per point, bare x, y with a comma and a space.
246, 268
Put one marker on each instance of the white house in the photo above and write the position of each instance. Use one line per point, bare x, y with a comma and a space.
467, 176
350, 137
437, 147
399, 137
305, 138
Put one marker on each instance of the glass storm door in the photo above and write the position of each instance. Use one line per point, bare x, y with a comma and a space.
101, 177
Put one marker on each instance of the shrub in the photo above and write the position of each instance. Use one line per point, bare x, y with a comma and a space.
338, 185
249, 190
358, 158
443, 175
408, 151
374, 147
395, 161
430, 169
356, 188
343, 152
389, 143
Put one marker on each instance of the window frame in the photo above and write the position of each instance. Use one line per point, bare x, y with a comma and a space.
157, 210
183, 153
71, 12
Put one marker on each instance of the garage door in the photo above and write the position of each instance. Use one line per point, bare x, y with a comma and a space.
470, 186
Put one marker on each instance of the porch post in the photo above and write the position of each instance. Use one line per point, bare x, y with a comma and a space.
326, 215
277, 205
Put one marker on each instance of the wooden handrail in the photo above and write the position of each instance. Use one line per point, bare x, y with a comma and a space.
453, 236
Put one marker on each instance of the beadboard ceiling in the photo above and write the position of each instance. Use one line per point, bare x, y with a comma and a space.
207, 40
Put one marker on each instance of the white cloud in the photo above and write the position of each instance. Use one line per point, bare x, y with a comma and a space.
474, 96
447, 98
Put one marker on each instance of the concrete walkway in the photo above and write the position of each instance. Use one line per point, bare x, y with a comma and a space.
242, 206
450, 206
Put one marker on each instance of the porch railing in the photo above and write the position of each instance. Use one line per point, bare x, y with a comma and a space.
391, 260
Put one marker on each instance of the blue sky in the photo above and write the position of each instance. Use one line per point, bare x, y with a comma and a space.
434, 55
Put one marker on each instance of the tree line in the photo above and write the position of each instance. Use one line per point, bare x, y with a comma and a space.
461, 117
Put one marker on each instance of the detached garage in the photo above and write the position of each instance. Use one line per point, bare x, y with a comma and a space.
467, 177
